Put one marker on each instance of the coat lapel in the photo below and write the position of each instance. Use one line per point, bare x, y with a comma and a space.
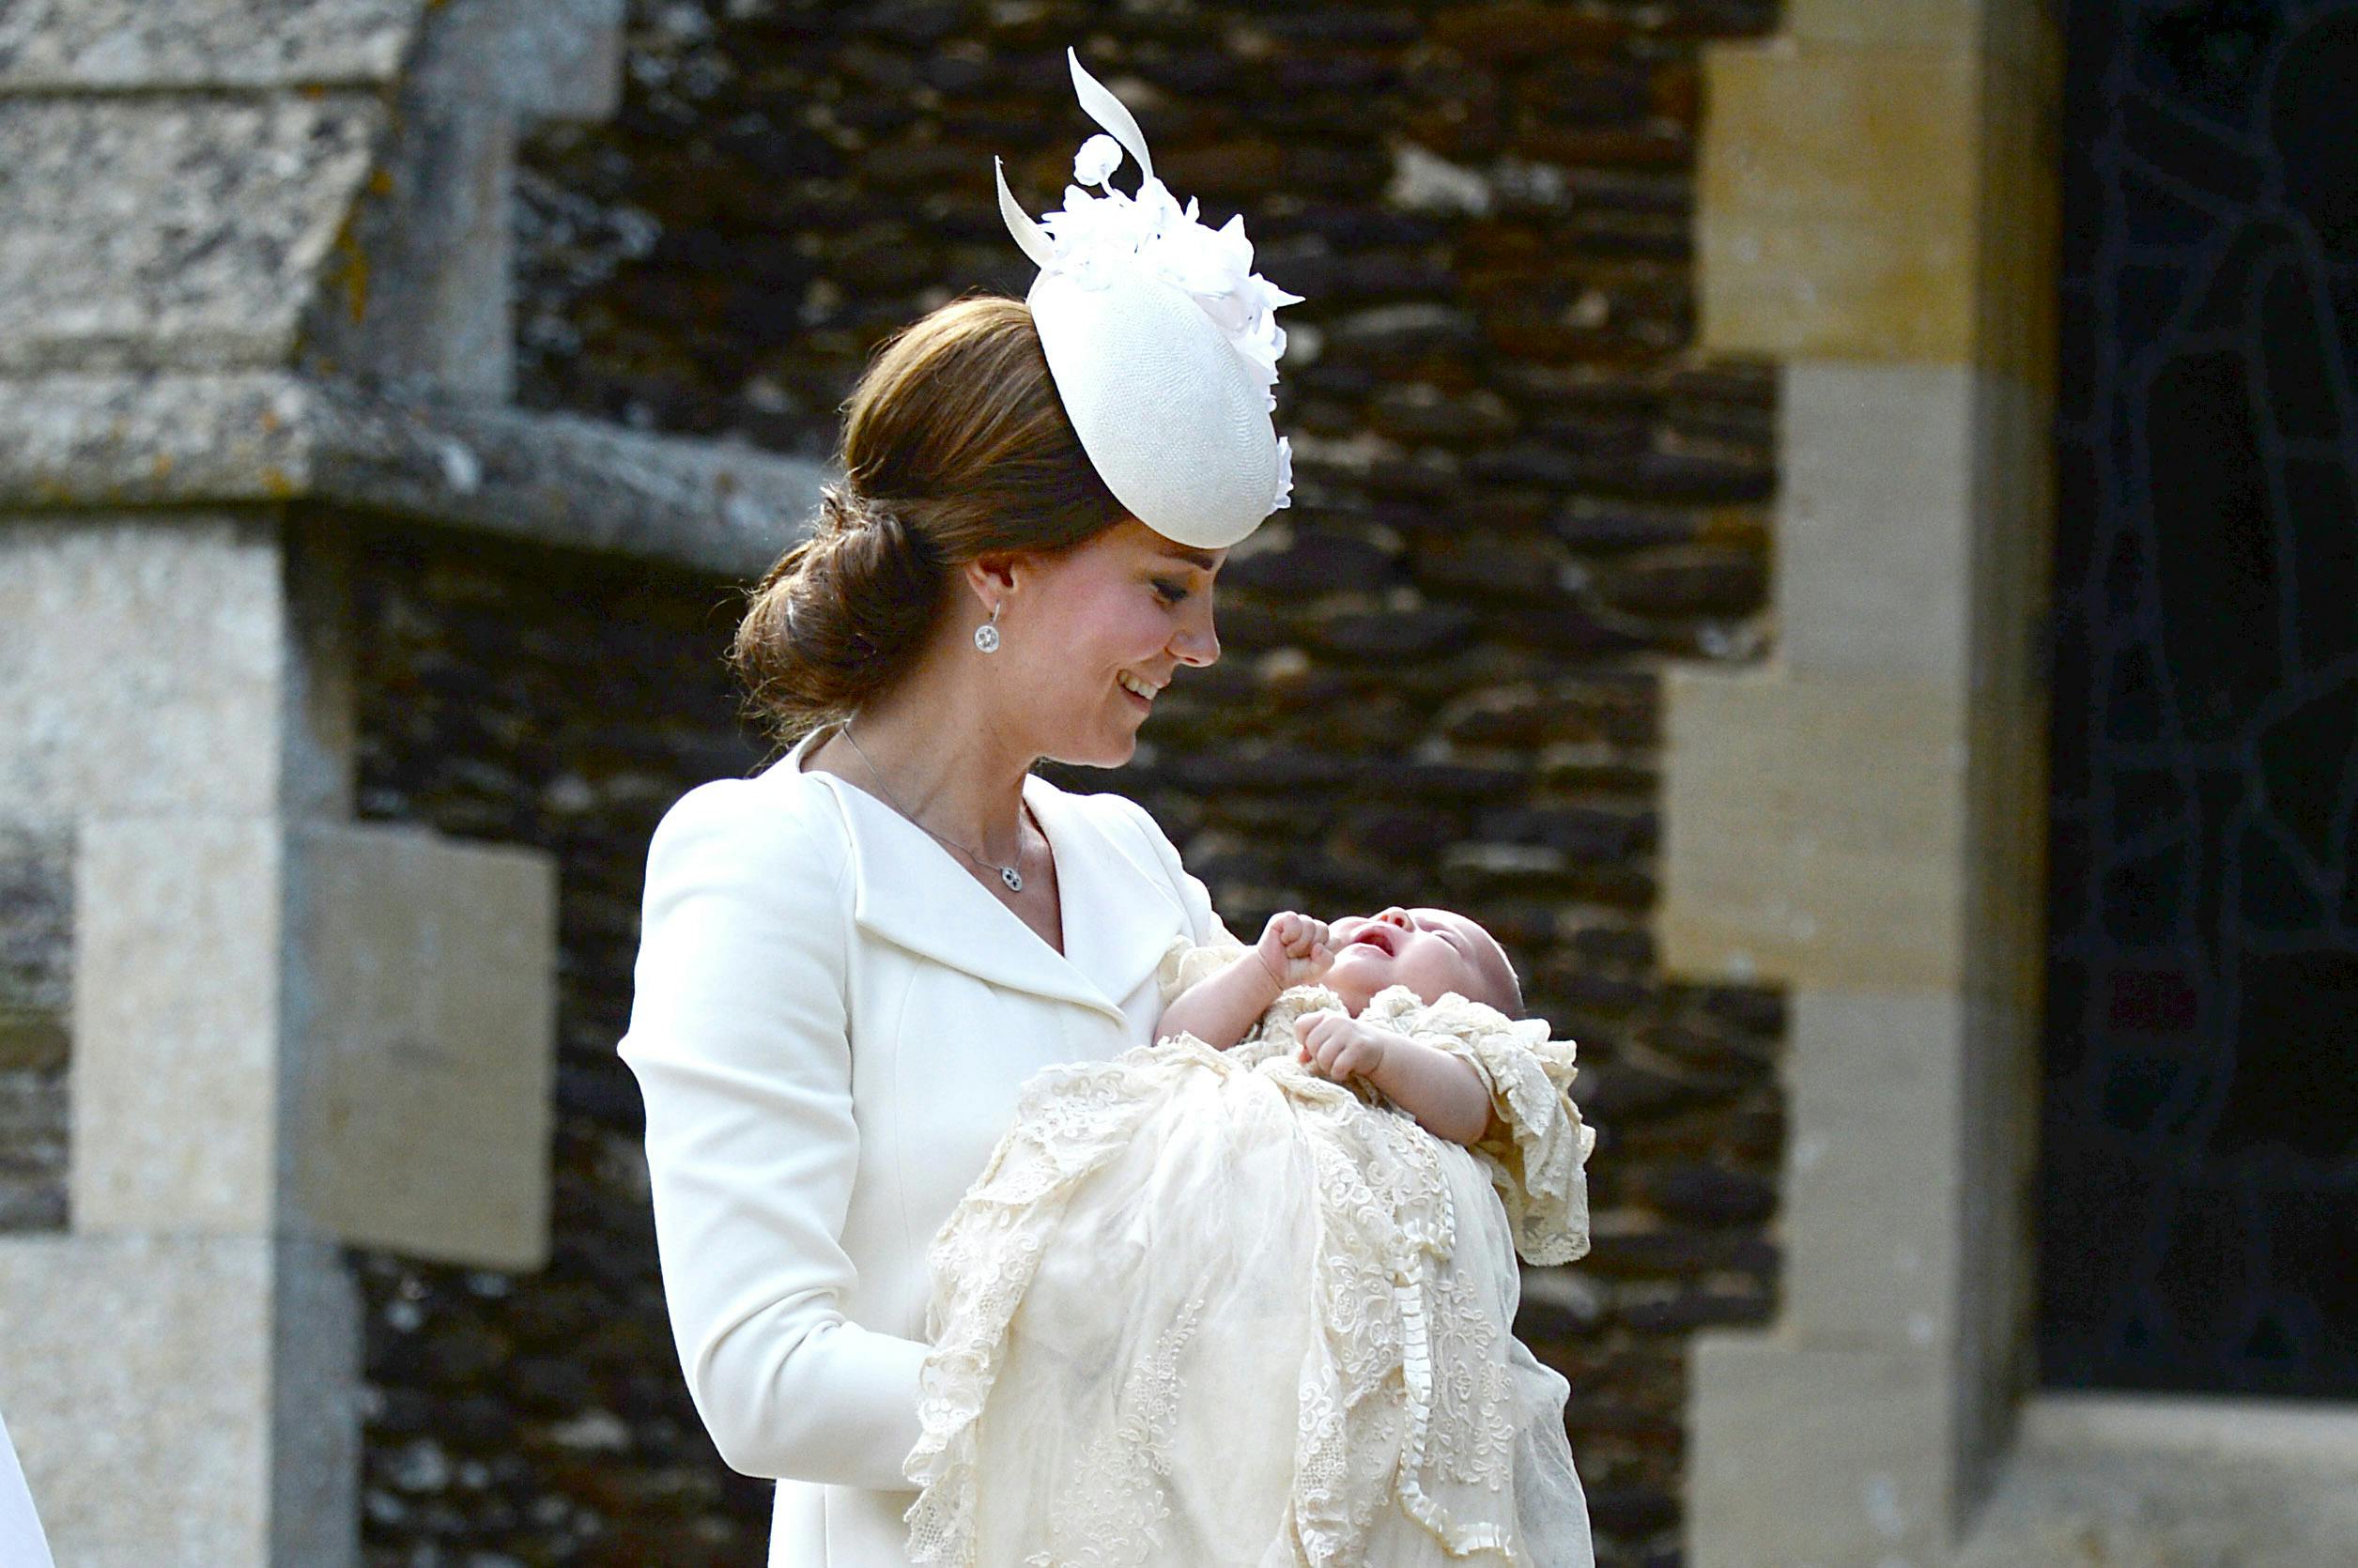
1120, 911
908, 889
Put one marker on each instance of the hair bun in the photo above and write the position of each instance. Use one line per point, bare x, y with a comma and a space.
842, 509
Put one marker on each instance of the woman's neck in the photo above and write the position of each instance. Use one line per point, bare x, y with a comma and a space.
960, 775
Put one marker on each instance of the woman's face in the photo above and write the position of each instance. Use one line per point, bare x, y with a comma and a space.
1091, 637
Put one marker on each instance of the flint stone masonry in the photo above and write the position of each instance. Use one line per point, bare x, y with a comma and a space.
36, 946
36, 996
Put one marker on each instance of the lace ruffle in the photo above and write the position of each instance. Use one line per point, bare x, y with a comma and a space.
1184, 963
1540, 1166
1068, 1122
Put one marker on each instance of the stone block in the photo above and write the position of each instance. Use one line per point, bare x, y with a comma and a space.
138, 439
174, 1400
142, 665
1813, 831
2022, 95
422, 297
2146, 1482
176, 1071
1838, 199
1809, 1458
139, 233
112, 440
1876, 521
63, 45
1874, 1168
2020, 32
423, 1043
540, 59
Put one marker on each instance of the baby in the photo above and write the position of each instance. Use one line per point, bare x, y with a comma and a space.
1246, 1296
1431, 951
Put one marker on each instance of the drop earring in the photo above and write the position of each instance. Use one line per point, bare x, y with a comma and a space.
987, 635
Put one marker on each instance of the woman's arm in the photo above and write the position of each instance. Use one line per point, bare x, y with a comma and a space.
739, 1039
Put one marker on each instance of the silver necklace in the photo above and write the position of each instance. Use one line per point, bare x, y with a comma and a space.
1008, 874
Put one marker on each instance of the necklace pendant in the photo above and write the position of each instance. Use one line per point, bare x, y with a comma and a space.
1013, 878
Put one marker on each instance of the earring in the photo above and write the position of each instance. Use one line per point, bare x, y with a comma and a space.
987, 635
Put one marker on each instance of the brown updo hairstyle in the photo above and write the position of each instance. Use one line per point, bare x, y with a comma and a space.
954, 445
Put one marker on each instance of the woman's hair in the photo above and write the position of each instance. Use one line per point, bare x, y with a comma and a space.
954, 444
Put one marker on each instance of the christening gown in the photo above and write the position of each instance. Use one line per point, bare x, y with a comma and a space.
1206, 1307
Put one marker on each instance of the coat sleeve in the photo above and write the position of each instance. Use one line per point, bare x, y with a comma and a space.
739, 1038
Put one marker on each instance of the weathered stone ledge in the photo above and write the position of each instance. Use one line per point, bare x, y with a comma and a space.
81, 441
97, 45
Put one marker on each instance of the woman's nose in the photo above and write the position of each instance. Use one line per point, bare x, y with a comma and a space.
1197, 643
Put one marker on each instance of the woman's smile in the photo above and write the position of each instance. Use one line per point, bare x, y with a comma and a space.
1137, 688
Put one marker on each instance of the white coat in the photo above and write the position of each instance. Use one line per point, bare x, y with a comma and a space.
831, 1023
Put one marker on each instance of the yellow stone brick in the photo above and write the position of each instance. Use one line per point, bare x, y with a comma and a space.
2014, 30
1814, 832
1838, 202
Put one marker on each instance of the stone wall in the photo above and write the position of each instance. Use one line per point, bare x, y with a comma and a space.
559, 700
1519, 495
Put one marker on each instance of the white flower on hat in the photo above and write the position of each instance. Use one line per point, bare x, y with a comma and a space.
1152, 231
1100, 156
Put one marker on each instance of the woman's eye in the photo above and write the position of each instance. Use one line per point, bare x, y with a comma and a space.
1172, 592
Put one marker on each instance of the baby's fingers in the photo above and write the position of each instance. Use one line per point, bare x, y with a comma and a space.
1314, 1030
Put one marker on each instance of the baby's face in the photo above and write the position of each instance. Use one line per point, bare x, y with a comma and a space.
1427, 950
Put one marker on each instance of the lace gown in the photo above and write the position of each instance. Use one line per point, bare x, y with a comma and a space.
1206, 1307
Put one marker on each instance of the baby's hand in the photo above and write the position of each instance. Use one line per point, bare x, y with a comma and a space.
1337, 1045
1295, 950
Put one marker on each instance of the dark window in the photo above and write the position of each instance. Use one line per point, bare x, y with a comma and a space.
2200, 1193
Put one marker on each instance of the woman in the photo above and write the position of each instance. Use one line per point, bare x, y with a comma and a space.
850, 962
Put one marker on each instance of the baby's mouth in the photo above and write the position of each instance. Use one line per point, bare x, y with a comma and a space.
1375, 937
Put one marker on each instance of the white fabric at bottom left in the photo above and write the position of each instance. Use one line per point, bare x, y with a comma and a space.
22, 1542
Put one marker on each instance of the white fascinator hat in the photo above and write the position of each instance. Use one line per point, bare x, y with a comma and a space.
1161, 339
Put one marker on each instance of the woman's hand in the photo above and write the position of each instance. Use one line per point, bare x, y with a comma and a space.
1295, 950
1336, 1045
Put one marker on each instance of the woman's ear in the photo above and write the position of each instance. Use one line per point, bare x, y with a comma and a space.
991, 577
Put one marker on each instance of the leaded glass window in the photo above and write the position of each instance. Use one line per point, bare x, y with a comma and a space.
2199, 1195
